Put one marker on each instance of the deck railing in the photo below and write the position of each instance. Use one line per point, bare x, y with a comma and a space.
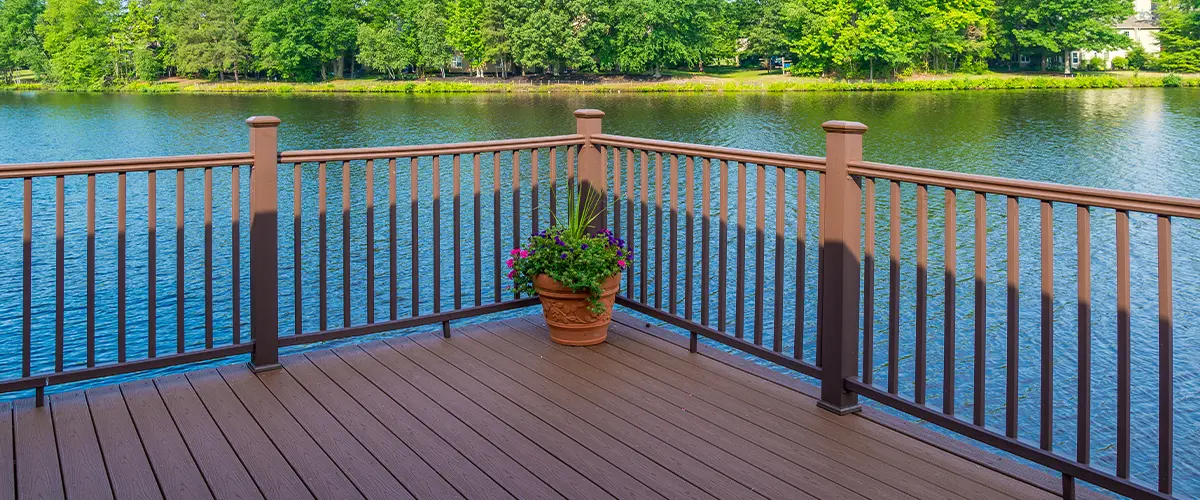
812, 312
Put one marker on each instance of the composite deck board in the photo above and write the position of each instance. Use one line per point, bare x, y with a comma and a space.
362, 468
565, 480
757, 466
129, 470
271, 472
83, 472
591, 436
222, 469
177, 473
38, 474
495, 411
323, 477
405, 465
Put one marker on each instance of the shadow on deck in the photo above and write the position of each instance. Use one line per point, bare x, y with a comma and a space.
494, 412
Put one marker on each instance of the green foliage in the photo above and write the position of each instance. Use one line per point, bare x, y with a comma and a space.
1095, 64
579, 262
1120, 63
1061, 26
20, 46
210, 37
1180, 36
1172, 80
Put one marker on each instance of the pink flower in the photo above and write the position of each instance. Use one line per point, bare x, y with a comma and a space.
512, 273
515, 252
524, 253
509, 263
621, 263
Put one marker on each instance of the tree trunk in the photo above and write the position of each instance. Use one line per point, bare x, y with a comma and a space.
1067, 62
339, 66
323, 74
235, 72
871, 71
443, 71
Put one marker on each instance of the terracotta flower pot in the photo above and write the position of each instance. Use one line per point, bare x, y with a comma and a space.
567, 314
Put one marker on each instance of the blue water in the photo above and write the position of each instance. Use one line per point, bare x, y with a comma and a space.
1132, 139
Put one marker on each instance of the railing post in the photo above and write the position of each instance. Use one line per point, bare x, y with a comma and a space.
264, 243
591, 164
840, 276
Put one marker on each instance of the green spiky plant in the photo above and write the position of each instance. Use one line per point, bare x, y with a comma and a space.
571, 255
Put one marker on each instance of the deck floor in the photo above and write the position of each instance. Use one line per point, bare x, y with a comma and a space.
494, 412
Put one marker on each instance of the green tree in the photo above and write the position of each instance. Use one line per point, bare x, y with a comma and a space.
467, 32
77, 38
879, 36
1180, 36
653, 34
20, 46
285, 37
210, 38
822, 35
433, 50
1061, 26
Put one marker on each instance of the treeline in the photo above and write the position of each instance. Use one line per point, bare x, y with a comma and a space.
94, 43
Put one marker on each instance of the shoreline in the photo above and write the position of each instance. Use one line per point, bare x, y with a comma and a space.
449, 87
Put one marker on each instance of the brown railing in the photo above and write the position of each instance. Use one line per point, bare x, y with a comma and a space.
651, 186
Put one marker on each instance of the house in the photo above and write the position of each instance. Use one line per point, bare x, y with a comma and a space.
1142, 28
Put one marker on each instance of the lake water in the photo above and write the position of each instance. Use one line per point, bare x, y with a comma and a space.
1144, 140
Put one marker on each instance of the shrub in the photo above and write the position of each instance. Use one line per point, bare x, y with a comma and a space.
1138, 58
1120, 63
1172, 80
1095, 64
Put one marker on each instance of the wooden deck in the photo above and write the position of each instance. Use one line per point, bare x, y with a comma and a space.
494, 412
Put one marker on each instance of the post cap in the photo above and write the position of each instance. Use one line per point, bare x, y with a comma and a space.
844, 127
589, 113
262, 121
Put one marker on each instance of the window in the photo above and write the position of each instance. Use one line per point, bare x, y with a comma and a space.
1074, 58
1024, 58
457, 62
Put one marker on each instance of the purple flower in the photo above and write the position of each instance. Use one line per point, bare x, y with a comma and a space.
583, 247
563, 256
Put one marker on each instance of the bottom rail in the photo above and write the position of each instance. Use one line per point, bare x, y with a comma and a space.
429, 319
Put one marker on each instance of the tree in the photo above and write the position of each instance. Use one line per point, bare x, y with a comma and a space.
382, 48
210, 38
653, 34
77, 38
285, 37
467, 32
879, 36
337, 36
20, 46
1180, 36
1061, 26
432, 48
821, 33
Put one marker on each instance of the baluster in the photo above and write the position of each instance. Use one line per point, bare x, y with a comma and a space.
950, 342
535, 203
415, 294
739, 303
629, 225
478, 227
1166, 448
1123, 344
236, 254
1084, 419
323, 251
370, 195
658, 231
760, 215
922, 320
689, 234
705, 242
516, 193
91, 270
643, 255
151, 265
1047, 320
723, 246
180, 344
346, 244
801, 255
456, 170
27, 275
393, 286
980, 361
208, 259
437, 234
120, 264
616, 192
553, 185
894, 288
780, 205
673, 257
496, 223
868, 368
1013, 307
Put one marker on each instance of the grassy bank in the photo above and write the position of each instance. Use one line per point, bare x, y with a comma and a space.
1014, 82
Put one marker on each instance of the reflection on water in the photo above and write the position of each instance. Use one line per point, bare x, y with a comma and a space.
1131, 139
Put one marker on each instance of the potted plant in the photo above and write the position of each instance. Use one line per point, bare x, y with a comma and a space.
574, 271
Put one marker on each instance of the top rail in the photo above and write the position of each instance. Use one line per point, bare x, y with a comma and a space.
1090, 197
785, 160
316, 155
51, 169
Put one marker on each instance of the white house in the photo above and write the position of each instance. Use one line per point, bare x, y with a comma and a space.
1141, 28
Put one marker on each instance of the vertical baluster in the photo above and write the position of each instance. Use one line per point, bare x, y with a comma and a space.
979, 387
323, 251
236, 253
478, 213
658, 231
821, 216
801, 253
456, 190
553, 185
616, 192
673, 257
437, 234
393, 286
345, 244
1013, 306
370, 195
1166, 391
516, 197
27, 278
780, 205
705, 242
723, 246
922, 320
950, 323
535, 203
689, 231
868, 368
91, 270
59, 272
629, 287
571, 151
1084, 418
643, 255
760, 225
151, 265
208, 259
739, 304
415, 293
1123, 344
894, 288
179, 267
120, 264
496, 222
1047, 319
